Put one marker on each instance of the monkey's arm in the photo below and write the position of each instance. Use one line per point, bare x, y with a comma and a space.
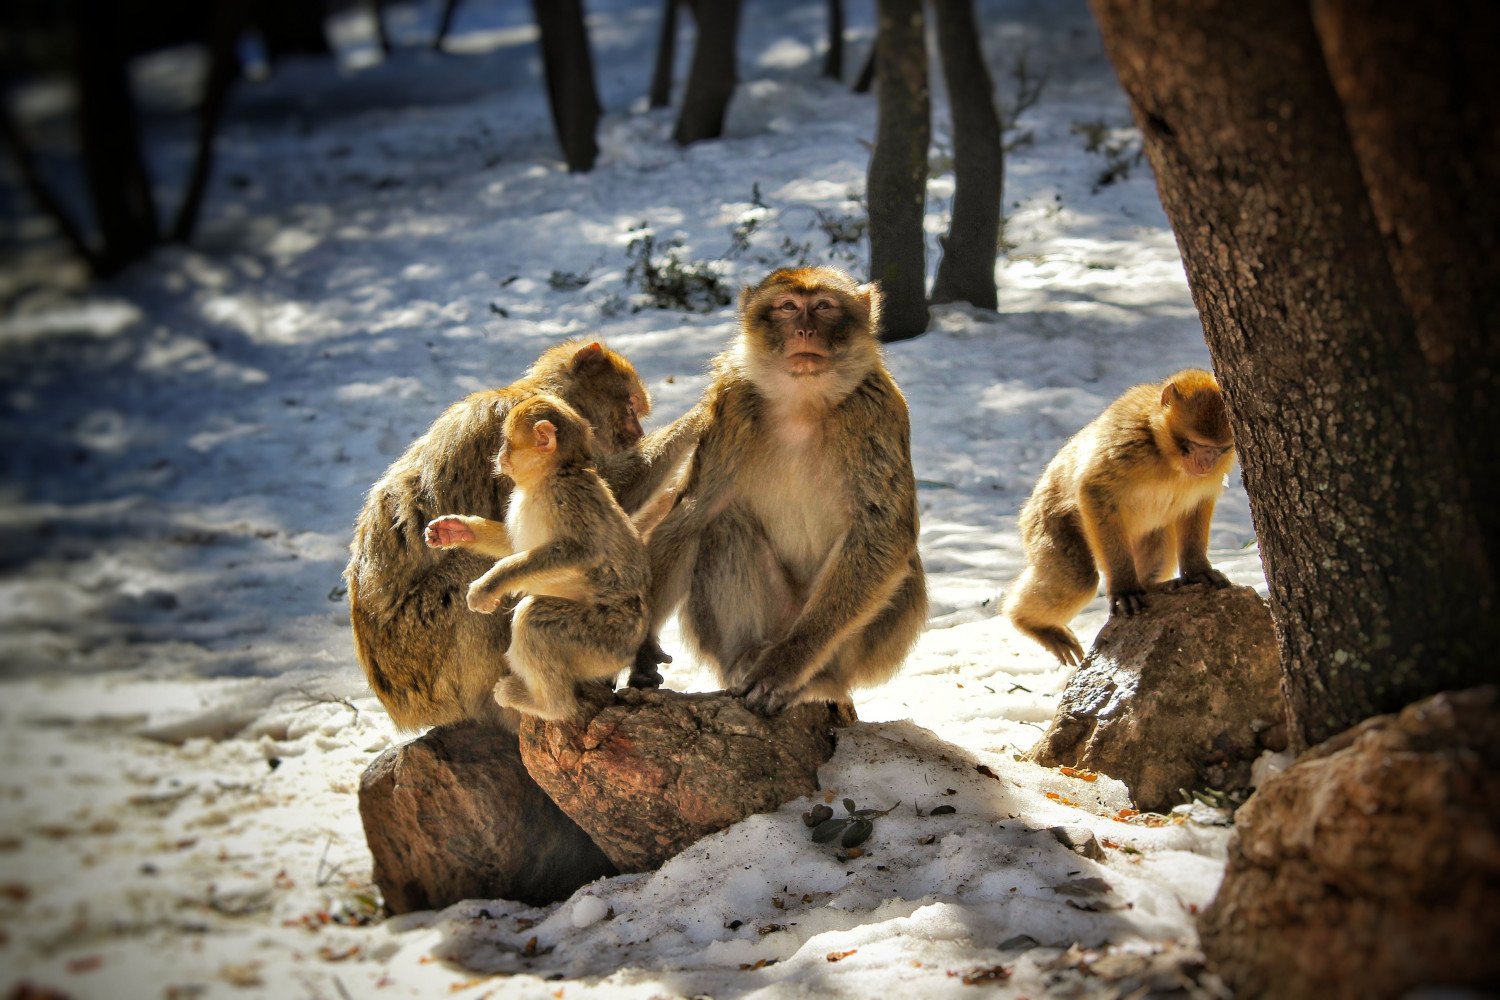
550, 562
467, 531
635, 475
1192, 547
1099, 510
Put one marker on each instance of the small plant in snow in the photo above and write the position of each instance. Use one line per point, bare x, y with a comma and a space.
850, 831
1120, 147
668, 281
569, 281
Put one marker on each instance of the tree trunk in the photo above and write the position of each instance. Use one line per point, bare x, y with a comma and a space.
1421, 93
229, 19
833, 59
117, 181
1380, 593
897, 185
569, 68
712, 76
445, 23
666, 56
292, 27
967, 271
866, 77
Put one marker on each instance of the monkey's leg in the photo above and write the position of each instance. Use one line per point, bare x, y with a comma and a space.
1155, 556
874, 654
1059, 580
1192, 547
739, 598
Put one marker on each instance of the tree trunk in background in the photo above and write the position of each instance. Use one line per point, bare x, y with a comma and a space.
1380, 591
569, 68
445, 22
866, 78
967, 271
833, 59
712, 76
666, 56
1421, 93
118, 185
228, 21
897, 185
292, 27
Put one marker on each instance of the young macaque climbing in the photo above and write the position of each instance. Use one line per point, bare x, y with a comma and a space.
1131, 494
569, 549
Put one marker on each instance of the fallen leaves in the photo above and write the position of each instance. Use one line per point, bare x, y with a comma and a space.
1079, 773
839, 956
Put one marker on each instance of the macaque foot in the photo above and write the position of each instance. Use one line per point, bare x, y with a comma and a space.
449, 532
1061, 643
483, 599
643, 672
765, 696
1212, 577
1127, 602
512, 692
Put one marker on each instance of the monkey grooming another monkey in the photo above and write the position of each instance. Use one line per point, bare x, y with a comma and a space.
794, 536
1132, 493
577, 559
428, 658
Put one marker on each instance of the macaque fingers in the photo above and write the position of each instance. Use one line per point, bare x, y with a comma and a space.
449, 531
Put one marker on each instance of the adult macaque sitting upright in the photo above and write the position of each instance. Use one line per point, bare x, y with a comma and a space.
794, 536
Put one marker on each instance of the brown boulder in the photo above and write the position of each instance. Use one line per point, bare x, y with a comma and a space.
649, 772
1371, 866
1185, 694
453, 815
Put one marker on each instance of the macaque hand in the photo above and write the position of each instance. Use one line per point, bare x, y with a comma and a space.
449, 532
1212, 577
1127, 602
643, 672
764, 686
483, 597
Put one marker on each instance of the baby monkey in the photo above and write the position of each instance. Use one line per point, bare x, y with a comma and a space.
570, 549
1132, 493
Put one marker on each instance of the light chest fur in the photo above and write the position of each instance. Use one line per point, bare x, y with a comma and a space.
793, 486
529, 521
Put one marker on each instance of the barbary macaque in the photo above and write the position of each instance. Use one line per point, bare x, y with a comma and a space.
1132, 494
794, 535
575, 558
428, 658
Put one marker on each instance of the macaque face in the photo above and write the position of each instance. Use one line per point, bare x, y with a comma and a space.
613, 402
1197, 456
804, 328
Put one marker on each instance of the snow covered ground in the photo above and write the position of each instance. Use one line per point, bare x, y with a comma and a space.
182, 722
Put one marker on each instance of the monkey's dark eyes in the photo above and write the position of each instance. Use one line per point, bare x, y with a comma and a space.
823, 305
788, 306
1184, 446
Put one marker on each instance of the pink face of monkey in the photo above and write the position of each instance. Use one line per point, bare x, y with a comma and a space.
804, 322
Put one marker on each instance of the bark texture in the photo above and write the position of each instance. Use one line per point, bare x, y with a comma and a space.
1420, 87
967, 271
568, 65
1185, 694
1371, 866
1378, 588
897, 186
647, 773
712, 76
453, 815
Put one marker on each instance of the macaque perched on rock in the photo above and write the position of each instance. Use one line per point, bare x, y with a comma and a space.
428, 658
793, 539
1131, 494
573, 554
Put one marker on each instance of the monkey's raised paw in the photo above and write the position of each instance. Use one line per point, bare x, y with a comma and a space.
448, 531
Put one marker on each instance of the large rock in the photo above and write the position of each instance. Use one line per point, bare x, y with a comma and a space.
649, 772
1371, 866
1185, 694
453, 815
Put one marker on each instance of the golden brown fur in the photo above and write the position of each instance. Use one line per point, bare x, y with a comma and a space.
578, 563
794, 537
1132, 493
428, 658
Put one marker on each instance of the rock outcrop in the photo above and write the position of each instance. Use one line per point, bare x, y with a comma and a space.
1185, 694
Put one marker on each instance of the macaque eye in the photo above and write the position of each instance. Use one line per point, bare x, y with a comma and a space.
788, 307
822, 305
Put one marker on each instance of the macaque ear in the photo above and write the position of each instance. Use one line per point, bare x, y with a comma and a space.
593, 354
1170, 396
544, 433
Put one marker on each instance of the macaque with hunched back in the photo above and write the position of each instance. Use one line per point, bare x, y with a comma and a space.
569, 553
1131, 494
428, 658
792, 545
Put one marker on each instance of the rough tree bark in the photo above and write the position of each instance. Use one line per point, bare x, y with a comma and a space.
1379, 592
1420, 88
569, 68
833, 59
897, 185
666, 55
712, 76
967, 271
